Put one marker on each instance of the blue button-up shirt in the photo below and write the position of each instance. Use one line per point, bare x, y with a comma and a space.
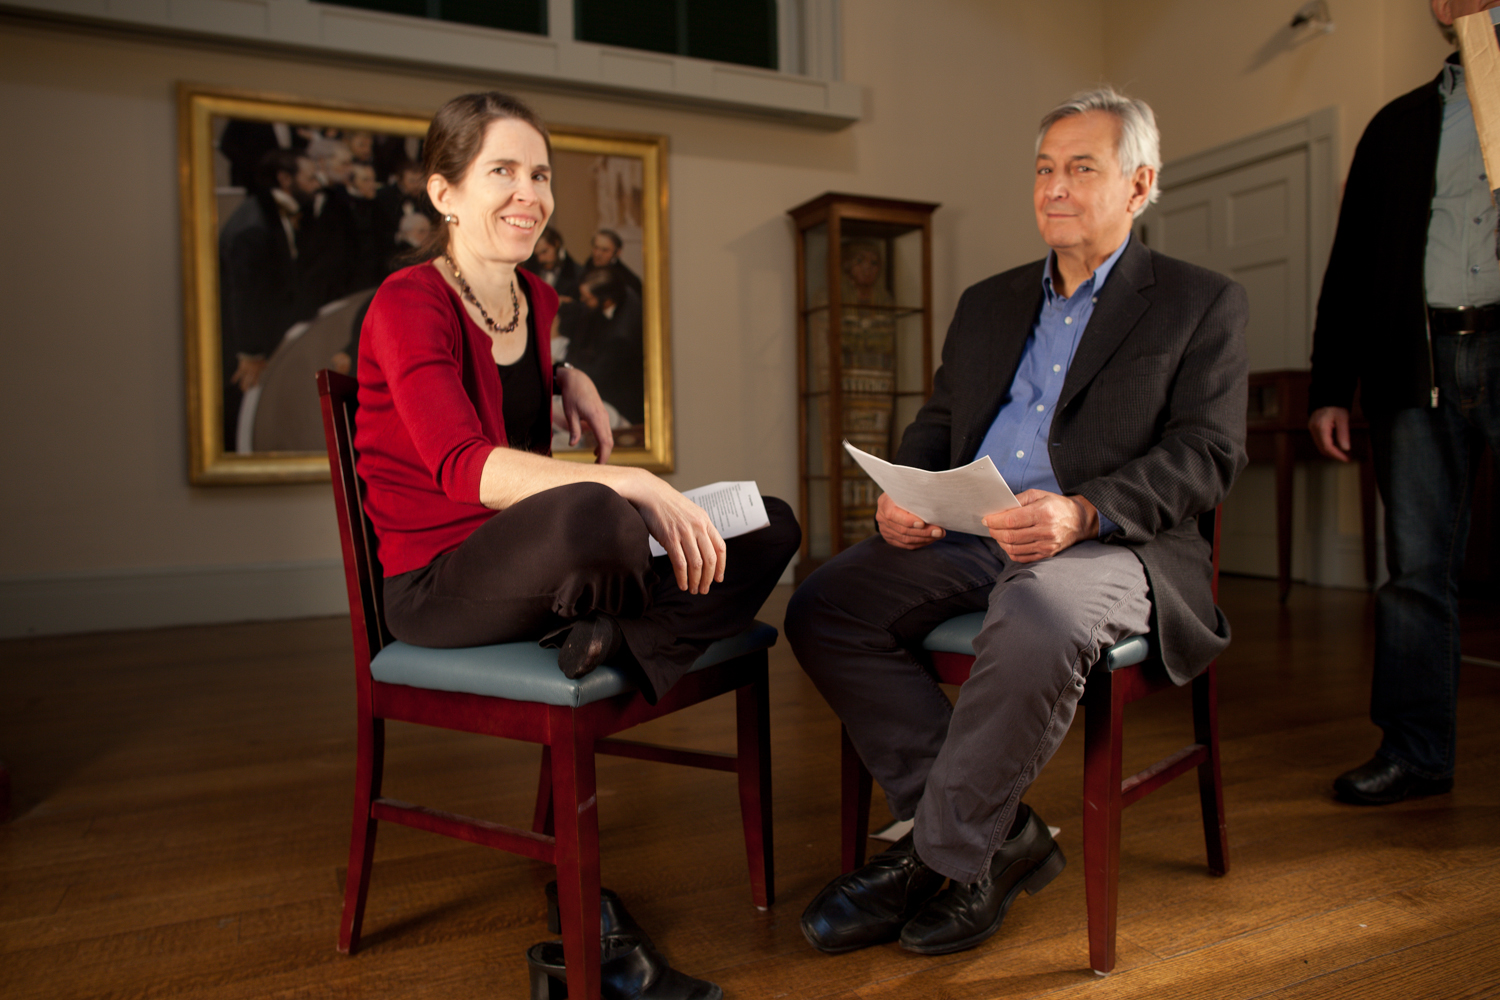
1017, 439
1460, 266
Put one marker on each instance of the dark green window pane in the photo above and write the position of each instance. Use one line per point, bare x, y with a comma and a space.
529, 16
412, 8
732, 31
651, 25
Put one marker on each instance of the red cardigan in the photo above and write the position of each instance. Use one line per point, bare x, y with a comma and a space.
430, 414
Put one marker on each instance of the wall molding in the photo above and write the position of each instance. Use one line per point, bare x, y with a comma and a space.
63, 603
555, 62
1318, 133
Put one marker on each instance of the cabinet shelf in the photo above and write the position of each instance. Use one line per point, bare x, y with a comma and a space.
865, 354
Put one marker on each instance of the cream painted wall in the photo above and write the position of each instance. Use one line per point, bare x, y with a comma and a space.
99, 526
97, 512
1213, 72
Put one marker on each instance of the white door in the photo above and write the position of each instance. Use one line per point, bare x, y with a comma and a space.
1249, 219
1251, 224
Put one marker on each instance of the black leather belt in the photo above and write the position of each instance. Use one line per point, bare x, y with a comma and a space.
1474, 319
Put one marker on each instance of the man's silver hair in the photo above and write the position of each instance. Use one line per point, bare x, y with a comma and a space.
1140, 142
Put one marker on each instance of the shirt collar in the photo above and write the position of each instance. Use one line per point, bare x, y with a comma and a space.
1452, 81
1097, 279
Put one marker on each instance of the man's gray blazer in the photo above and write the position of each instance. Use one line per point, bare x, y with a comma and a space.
1150, 426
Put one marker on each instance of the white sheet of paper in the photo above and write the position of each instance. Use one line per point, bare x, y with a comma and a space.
734, 508
957, 499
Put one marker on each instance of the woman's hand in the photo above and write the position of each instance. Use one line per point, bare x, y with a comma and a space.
683, 529
582, 405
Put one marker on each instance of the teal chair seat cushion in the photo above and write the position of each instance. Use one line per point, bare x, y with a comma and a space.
524, 671
956, 635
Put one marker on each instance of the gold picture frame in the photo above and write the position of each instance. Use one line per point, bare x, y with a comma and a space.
617, 182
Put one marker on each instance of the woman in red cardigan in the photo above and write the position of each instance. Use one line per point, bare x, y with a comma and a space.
484, 537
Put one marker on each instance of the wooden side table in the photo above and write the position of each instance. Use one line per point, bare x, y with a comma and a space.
1276, 425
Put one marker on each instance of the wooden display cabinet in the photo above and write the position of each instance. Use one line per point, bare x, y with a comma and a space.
864, 347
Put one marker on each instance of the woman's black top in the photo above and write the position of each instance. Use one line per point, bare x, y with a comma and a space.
523, 401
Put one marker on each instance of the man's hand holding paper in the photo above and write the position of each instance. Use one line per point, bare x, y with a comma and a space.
1043, 525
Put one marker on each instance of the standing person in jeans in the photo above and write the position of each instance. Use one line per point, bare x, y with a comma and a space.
1410, 313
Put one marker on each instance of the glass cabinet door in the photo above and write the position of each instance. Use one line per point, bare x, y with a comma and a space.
865, 354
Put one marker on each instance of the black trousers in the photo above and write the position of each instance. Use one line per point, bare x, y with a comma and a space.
575, 550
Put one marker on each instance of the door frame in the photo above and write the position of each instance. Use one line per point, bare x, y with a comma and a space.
1318, 135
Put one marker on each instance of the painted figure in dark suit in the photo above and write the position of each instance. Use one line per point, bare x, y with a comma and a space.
1416, 327
552, 264
608, 342
1108, 383
604, 252
262, 293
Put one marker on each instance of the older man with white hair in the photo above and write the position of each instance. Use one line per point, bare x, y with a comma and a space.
1108, 384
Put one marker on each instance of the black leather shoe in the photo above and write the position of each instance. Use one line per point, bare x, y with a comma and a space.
629, 969
966, 913
870, 904
1380, 782
614, 920
590, 642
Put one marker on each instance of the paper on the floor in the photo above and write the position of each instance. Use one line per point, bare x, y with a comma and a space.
734, 508
957, 499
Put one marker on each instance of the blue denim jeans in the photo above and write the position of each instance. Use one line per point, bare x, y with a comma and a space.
1424, 461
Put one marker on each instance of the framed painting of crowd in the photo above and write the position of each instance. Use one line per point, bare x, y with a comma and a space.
293, 214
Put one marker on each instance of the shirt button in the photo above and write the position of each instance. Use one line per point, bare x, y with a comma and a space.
1020, 454
1474, 269
1040, 407
1057, 368
1067, 320
1094, 300
1478, 221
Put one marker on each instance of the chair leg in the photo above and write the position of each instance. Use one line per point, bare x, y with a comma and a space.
855, 803
368, 768
753, 762
1210, 775
541, 818
1104, 717
576, 812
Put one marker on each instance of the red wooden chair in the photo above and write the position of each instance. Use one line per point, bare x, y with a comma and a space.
1129, 672
514, 690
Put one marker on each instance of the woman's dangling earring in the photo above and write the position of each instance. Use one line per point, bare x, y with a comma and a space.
449, 219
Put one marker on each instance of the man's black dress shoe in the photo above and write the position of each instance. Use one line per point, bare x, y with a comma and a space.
871, 904
966, 913
1380, 782
629, 969
614, 919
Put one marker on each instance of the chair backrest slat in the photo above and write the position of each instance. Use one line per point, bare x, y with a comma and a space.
362, 574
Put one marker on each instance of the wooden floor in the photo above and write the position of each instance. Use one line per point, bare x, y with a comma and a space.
181, 818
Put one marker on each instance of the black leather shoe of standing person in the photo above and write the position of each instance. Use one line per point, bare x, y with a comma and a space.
870, 904
966, 913
614, 919
1379, 782
629, 969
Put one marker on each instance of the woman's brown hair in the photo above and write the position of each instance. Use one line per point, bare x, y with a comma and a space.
453, 142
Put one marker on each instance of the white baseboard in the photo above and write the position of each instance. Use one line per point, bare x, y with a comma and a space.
64, 603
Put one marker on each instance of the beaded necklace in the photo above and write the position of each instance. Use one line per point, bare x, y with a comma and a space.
515, 303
